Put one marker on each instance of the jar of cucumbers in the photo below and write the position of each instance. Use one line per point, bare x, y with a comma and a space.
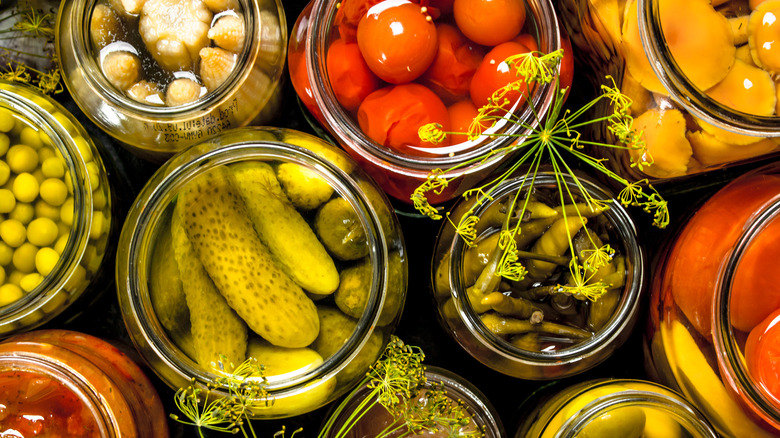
575, 295
55, 209
262, 246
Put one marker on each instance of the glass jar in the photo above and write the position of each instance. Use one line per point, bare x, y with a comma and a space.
313, 294
156, 92
91, 388
56, 209
542, 326
361, 108
704, 329
703, 102
482, 414
614, 407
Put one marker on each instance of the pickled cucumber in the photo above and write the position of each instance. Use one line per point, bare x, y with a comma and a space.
280, 361
165, 288
304, 187
340, 230
283, 230
335, 329
217, 223
216, 329
355, 286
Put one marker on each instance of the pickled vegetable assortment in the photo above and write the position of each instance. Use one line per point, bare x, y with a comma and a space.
38, 211
537, 313
253, 260
167, 52
722, 49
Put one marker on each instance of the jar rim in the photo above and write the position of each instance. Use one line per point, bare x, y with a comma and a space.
724, 336
685, 413
624, 314
99, 84
157, 196
694, 100
37, 362
19, 102
346, 129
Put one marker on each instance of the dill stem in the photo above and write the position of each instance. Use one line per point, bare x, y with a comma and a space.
365, 405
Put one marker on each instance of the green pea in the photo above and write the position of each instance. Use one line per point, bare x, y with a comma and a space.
24, 257
44, 209
42, 231
7, 201
6, 253
5, 143
30, 137
30, 281
52, 167
23, 212
5, 172
54, 191
22, 158
25, 187
84, 149
7, 120
45, 260
10, 293
13, 232
66, 212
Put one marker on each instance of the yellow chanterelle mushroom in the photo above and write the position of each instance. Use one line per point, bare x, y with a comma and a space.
746, 88
709, 150
764, 35
663, 131
699, 38
174, 31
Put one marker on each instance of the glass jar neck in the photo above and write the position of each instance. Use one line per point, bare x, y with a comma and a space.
695, 101
344, 125
730, 359
41, 365
688, 418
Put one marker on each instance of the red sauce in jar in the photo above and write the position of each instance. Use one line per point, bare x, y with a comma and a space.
37, 405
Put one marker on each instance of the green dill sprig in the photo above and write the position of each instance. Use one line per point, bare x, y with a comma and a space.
36, 68
548, 139
395, 382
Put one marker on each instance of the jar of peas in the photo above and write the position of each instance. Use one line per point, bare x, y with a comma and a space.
713, 335
549, 280
55, 209
374, 72
263, 247
612, 408
700, 75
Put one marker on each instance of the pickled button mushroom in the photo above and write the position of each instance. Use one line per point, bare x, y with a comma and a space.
128, 8
121, 68
215, 66
183, 90
228, 32
174, 31
105, 26
146, 92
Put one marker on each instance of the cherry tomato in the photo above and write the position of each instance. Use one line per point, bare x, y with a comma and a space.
527, 40
392, 116
456, 60
489, 22
762, 354
706, 240
494, 73
397, 40
755, 292
461, 116
349, 75
299, 76
349, 14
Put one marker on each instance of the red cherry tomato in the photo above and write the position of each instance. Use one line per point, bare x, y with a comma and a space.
397, 40
494, 73
527, 40
461, 116
392, 116
299, 76
489, 22
456, 62
349, 75
349, 14
762, 354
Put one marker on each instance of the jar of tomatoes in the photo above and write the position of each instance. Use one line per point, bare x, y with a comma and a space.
373, 72
712, 334
465, 411
65, 383
159, 75
612, 408
262, 247
55, 199
700, 76
566, 312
